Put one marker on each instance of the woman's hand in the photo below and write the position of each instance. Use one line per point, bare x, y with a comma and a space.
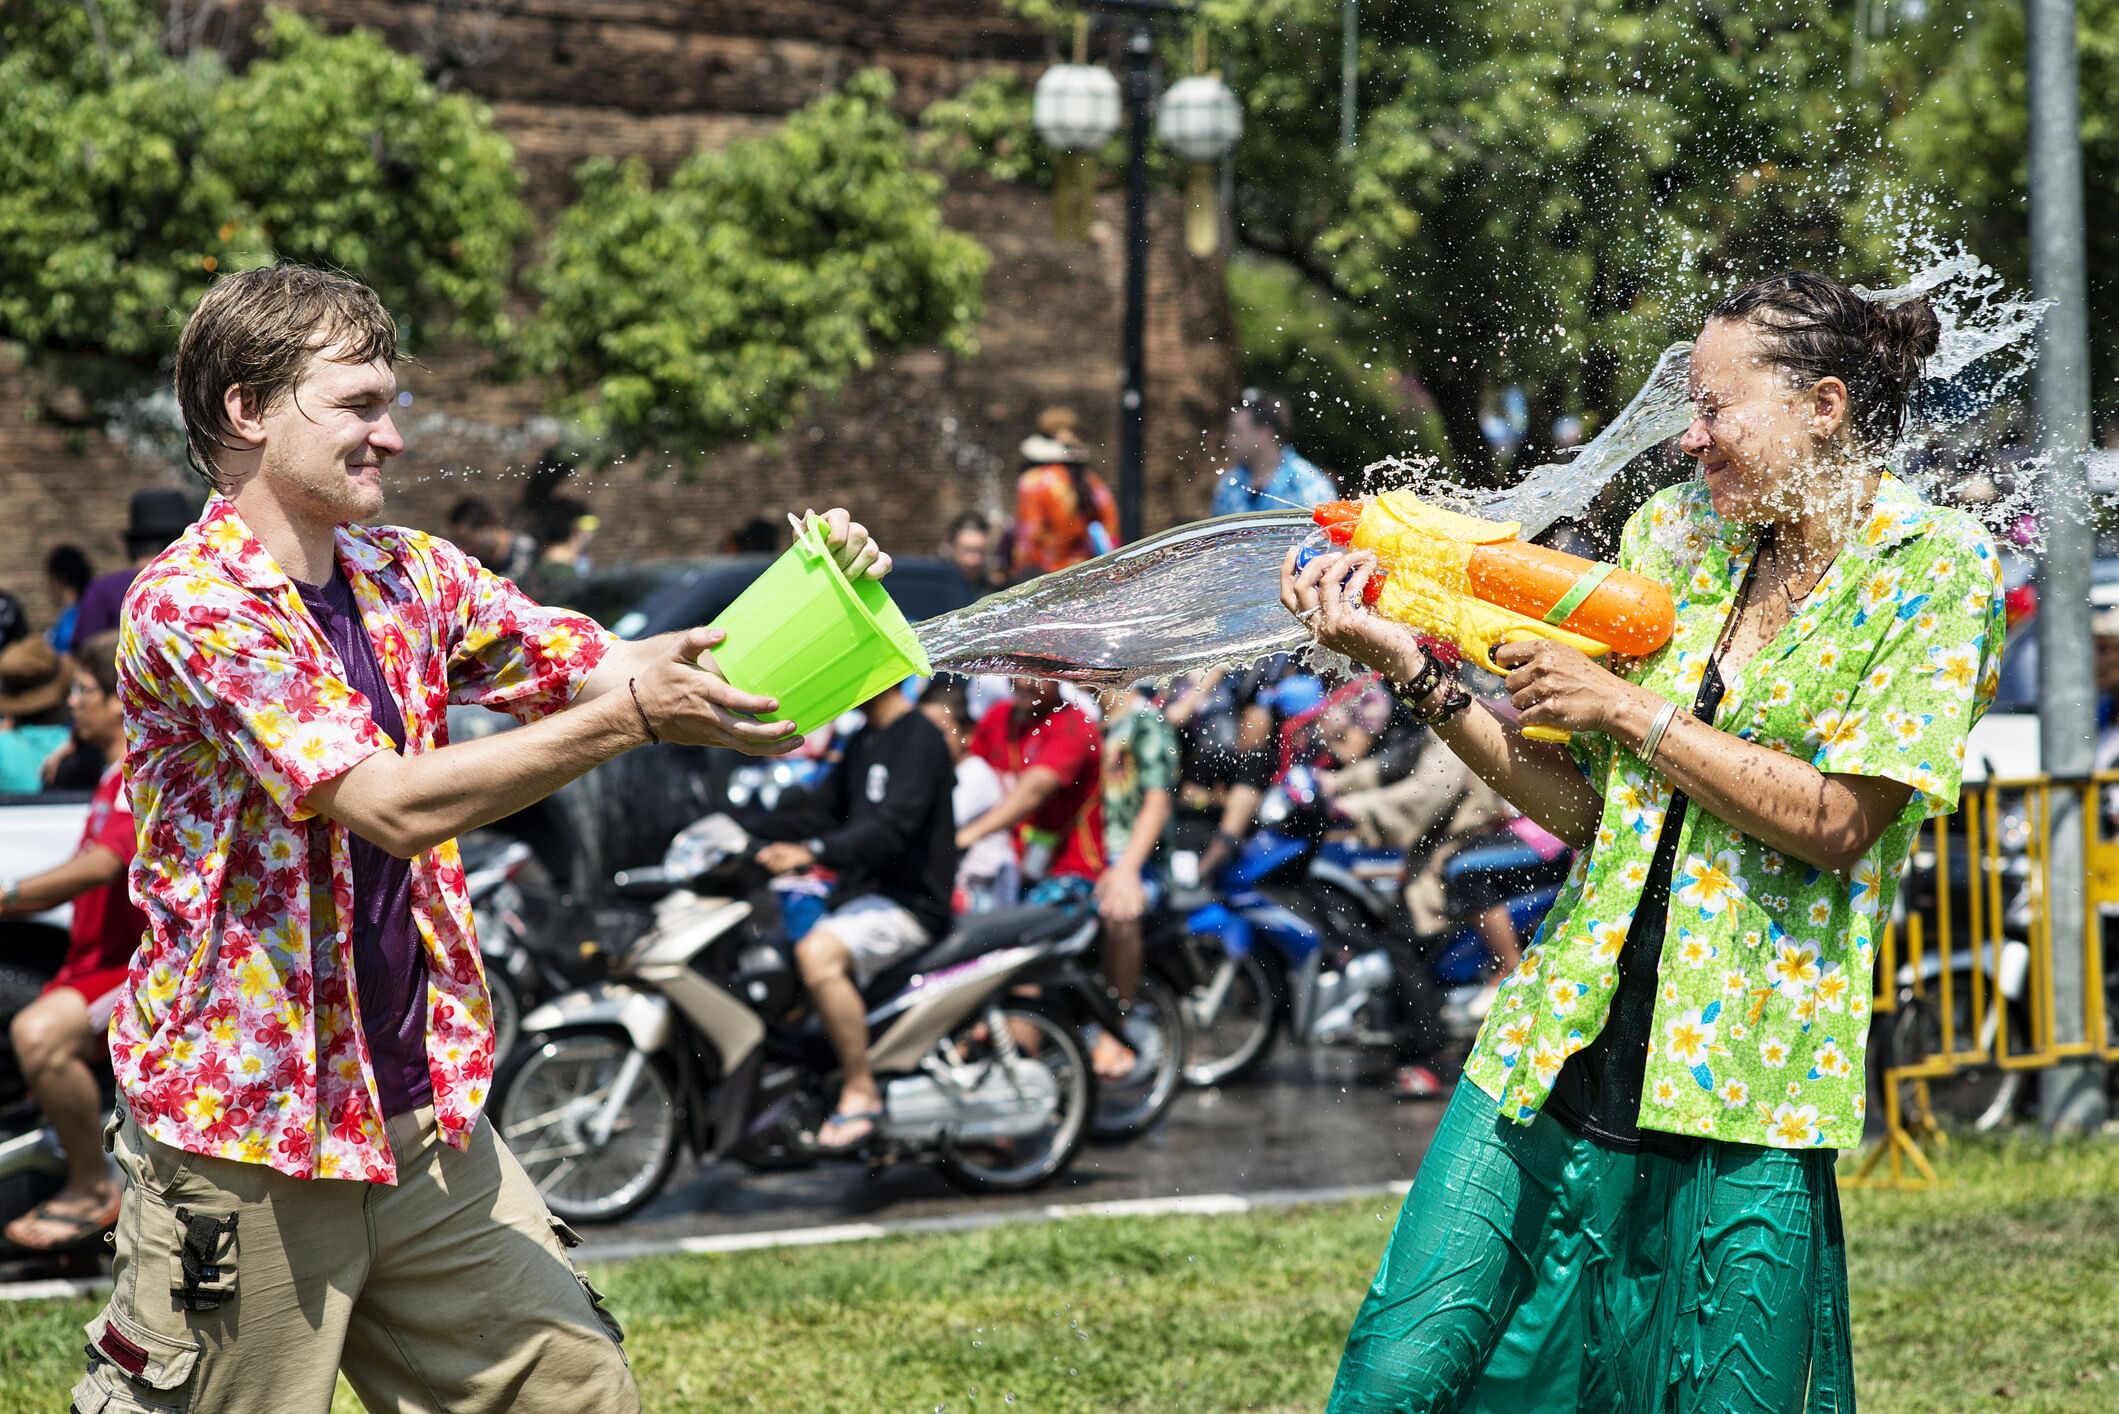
1326, 596
1553, 685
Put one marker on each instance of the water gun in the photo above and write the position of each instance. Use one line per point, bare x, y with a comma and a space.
1467, 586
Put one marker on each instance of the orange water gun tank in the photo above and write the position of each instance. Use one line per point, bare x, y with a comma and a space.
1545, 593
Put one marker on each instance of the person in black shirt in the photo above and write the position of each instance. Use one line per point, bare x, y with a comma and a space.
882, 823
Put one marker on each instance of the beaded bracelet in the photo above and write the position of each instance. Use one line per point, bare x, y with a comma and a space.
1455, 700
1422, 683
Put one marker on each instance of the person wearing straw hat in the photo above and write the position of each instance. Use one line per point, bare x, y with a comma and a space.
304, 1045
33, 684
1064, 513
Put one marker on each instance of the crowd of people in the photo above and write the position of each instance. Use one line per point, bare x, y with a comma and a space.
1065, 512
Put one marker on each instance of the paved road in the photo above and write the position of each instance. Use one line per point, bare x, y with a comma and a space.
1307, 1122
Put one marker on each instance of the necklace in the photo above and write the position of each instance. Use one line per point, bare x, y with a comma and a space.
1775, 616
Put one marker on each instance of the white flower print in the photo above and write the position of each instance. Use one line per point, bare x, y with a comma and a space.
1793, 1128
1794, 968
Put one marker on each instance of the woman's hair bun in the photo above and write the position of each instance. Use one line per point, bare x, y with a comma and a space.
1816, 327
1906, 336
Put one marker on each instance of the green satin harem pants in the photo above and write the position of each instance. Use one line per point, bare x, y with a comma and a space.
1532, 1270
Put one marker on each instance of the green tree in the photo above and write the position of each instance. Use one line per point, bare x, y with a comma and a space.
1963, 139
711, 308
128, 179
1546, 192
1350, 402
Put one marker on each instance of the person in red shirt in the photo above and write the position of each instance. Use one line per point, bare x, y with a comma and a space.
1049, 758
60, 1034
1046, 751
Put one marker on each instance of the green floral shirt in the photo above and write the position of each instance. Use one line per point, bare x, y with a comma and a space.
1766, 974
1140, 755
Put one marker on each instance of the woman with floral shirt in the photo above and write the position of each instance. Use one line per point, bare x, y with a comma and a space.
1631, 1205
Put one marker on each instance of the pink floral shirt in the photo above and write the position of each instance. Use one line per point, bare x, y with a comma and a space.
238, 1034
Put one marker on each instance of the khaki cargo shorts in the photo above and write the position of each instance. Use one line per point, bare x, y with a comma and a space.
239, 1289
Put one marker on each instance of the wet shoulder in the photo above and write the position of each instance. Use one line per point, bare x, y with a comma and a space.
1951, 544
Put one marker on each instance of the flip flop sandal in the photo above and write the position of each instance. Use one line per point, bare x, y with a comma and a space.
1116, 1077
848, 1146
85, 1229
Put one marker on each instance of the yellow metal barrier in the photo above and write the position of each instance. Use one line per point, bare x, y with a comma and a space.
1980, 1006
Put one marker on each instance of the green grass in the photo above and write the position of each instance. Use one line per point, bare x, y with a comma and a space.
2000, 1291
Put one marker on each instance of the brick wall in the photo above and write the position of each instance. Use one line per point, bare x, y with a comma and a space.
907, 445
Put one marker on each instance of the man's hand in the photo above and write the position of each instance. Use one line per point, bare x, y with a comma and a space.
785, 858
685, 699
1119, 895
850, 544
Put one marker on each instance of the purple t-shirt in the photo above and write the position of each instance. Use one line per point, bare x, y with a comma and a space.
100, 603
389, 966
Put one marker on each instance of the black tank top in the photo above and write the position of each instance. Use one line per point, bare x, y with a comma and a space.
1598, 1095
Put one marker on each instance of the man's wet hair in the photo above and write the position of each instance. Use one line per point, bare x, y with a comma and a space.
257, 330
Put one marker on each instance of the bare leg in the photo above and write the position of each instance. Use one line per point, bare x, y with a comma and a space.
53, 1040
1111, 1057
1498, 931
826, 972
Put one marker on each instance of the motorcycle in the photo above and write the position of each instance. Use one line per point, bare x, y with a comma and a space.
1307, 938
681, 1045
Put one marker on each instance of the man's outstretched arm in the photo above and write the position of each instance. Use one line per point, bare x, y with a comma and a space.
410, 804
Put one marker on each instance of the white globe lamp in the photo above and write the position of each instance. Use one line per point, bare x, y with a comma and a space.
1199, 119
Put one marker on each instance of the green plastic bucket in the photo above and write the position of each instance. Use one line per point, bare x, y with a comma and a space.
804, 634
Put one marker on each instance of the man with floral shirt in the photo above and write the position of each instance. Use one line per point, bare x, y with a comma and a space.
305, 1044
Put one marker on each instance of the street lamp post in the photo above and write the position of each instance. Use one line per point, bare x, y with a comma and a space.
1133, 391
2072, 1094
1140, 19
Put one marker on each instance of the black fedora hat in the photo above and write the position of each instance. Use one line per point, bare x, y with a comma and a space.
157, 516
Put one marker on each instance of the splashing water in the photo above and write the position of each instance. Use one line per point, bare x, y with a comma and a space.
1207, 593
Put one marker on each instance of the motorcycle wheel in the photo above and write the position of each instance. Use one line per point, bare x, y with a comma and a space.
1155, 1028
1017, 1165
545, 1100
507, 1008
1232, 1019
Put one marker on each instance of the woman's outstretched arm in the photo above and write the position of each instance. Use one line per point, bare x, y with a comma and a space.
1539, 779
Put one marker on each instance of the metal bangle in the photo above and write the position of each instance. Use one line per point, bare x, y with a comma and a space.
1660, 725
